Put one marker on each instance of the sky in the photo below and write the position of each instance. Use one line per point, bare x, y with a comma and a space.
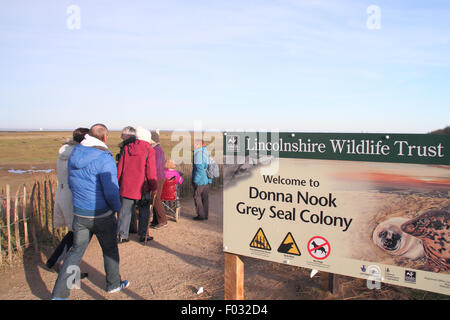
288, 65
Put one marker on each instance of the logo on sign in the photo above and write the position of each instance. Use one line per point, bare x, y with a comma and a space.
319, 248
410, 276
233, 144
260, 241
289, 246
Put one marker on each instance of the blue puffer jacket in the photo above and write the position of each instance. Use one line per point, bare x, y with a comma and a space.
201, 162
93, 181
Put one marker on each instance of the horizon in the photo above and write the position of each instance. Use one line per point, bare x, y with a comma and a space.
214, 131
289, 65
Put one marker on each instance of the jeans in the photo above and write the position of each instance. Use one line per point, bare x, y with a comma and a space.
83, 230
126, 211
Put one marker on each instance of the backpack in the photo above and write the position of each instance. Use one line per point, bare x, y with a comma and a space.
213, 169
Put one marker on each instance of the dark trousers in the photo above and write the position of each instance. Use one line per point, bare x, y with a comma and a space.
61, 250
144, 216
83, 230
159, 214
201, 200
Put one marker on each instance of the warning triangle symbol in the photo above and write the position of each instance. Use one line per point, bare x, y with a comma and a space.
260, 241
289, 246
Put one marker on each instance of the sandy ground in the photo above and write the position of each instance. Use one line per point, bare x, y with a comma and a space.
180, 259
183, 257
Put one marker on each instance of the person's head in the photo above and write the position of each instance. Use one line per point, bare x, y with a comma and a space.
199, 143
143, 134
128, 132
155, 136
79, 133
99, 131
170, 164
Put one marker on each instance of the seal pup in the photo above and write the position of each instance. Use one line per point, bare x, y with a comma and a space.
389, 237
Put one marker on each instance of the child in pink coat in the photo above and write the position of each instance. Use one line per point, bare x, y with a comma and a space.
170, 171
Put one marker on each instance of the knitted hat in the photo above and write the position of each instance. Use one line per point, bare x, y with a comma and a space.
143, 134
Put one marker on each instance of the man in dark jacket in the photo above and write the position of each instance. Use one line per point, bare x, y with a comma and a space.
93, 182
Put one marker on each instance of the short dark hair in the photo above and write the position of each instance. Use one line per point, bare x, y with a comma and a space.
79, 133
98, 131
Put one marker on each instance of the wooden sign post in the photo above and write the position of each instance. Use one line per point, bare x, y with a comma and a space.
234, 277
328, 282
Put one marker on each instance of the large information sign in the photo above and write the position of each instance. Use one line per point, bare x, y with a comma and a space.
372, 206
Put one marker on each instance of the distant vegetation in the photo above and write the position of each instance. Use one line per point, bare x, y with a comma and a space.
446, 130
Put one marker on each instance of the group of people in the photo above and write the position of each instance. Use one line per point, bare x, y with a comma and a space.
92, 188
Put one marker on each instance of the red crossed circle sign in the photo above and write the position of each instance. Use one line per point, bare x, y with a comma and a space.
319, 247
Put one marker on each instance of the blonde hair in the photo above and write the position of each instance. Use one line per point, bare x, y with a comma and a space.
170, 164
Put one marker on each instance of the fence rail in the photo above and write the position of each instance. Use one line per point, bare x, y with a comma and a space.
26, 217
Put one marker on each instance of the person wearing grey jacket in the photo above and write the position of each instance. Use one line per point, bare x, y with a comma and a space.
63, 208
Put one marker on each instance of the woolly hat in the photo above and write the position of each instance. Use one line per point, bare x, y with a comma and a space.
143, 134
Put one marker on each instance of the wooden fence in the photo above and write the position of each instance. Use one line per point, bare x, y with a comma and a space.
26, 218
26, 215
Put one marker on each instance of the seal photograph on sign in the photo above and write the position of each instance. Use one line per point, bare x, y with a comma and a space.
406, 215
390, 238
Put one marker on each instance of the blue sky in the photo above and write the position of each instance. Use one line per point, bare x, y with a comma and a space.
300, 65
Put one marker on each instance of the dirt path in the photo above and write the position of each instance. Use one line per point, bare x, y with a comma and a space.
181, 258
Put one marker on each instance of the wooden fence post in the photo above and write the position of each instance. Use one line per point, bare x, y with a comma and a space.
46, 206
33, 219
234, 277
52, 206
24, 217
39, 205
8, 221
16, 222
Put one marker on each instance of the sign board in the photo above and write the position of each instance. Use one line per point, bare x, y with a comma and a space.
342, 203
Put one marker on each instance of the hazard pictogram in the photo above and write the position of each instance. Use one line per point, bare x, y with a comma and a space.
260, 241
319, 247
289, 246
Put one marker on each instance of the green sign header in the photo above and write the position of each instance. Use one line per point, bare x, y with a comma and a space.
400, 148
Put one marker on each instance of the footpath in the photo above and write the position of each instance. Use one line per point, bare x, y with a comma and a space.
182, 258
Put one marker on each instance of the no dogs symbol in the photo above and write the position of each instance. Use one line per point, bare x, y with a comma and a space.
319, 248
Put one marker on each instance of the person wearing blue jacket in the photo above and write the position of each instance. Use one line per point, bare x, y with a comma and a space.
95, 191
200, 180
